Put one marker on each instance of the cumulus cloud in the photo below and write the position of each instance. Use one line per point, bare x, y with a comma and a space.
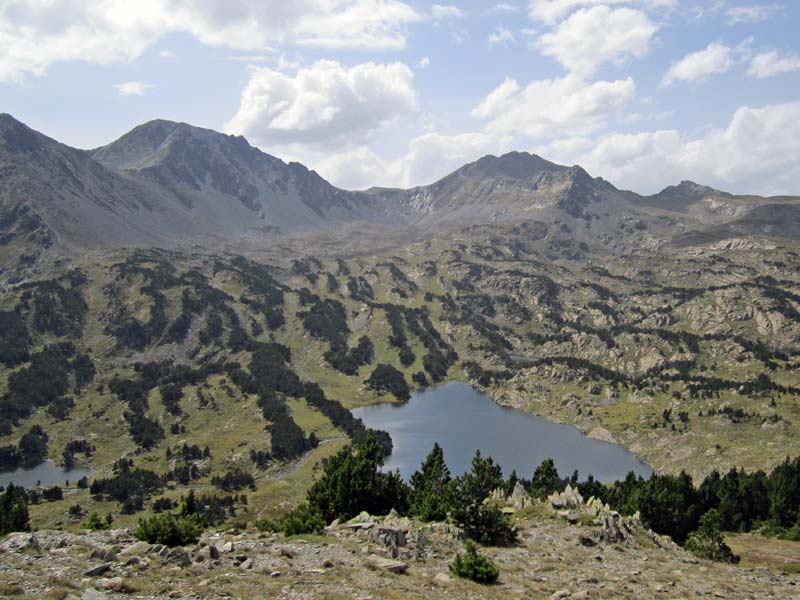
771, 63
34, 35
568, 106
698, 66
550, 11
429, 157
752, 13
501, 35
424, 62
593, 36
755, 153
442, 11
132, 88
325, 104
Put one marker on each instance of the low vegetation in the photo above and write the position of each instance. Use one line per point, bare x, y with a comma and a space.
474, 566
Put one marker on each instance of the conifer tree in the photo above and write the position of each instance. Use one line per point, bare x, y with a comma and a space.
429, 488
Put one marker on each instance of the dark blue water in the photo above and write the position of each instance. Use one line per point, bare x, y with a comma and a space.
45, 474
463, 420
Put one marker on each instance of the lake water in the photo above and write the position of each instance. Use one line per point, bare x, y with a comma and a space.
462, 420
48, 473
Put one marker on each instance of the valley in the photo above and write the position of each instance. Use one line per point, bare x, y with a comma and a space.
153, 333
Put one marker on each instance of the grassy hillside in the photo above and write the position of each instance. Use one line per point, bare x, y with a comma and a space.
687, 358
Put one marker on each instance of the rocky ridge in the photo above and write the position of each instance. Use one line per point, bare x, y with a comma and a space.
170, 184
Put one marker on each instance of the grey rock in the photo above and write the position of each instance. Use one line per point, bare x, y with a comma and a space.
385, 564
178, 557
98, 570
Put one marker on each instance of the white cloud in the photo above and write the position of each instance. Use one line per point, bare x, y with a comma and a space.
34, 35
503, 36
287, 64
132, 88
434, 155
590, 37
429, 157
550, 11
504, 8
752, 13
565, 147
564, 107
441, 12
325, 105
424, 62
697, 66
755, 153
358, 169
771, 63
167, 54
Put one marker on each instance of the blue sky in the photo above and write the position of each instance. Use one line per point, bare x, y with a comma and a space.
400, 92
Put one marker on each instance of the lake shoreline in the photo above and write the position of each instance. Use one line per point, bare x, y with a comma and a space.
47, 473
562, 439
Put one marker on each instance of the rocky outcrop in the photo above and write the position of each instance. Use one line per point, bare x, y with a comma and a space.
551, 559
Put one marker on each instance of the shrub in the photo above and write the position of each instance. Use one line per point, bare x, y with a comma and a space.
474, 566
96, 523
303, 519
234, 480
707, 542
169, 530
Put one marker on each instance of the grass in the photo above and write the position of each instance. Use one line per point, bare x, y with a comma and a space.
234, 426
756, 550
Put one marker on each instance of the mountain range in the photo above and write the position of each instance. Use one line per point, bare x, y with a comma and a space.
165, 184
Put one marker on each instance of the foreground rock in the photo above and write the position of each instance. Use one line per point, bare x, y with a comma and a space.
370, 556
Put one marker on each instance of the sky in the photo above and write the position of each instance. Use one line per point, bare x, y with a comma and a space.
645, 93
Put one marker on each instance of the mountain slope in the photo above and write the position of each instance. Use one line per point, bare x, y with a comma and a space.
167, 184
64, 194
209, 171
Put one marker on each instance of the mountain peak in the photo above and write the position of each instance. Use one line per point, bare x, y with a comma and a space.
156, 141
512, 165
6, 119
687, 189
16, 137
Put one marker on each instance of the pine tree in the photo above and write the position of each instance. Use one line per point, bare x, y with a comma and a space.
481, 521
352, 482
13, 511
545, 480
708, 542
429, 488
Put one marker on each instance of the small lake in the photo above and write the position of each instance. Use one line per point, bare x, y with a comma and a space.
45, 474
462, 420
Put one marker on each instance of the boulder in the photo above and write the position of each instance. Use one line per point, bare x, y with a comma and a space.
98, 570
570, 498
519, 498
362, 518
114, 584
136, 549
178, 557
385, 564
